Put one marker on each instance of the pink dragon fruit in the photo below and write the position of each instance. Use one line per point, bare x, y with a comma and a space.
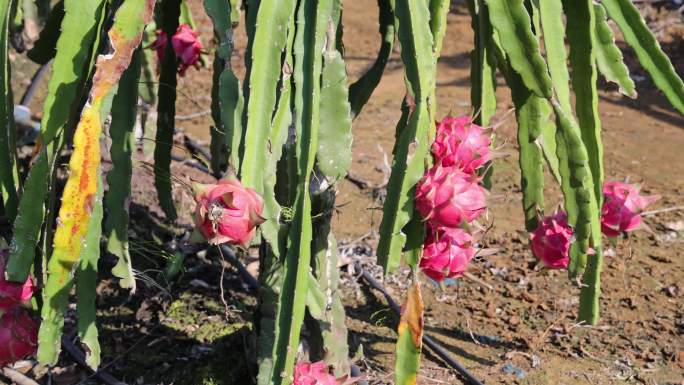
317, 373
446, 196
622, 207
551, 241
159, 45
18, 336
446, 253
227, 212
459, 142
12, 294
186, 46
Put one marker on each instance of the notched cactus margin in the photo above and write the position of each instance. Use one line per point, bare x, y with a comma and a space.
86, 282
531, 116
270, 38
323, 300
166, 112
8, 170
413, 129
583, 212
482, 64
335, 136
608, 55
227, 99
70, 69
512, 23
117, 199
362, 89
312, 23
80, 191
635, 32
273, 231
580, 15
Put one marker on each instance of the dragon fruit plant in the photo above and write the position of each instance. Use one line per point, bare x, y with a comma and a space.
285, 131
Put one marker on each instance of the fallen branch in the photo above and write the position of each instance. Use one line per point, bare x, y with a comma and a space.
659, 211
17, 377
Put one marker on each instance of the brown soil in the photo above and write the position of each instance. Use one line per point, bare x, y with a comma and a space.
515, 324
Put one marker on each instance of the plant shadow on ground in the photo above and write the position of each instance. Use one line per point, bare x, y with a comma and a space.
184, 335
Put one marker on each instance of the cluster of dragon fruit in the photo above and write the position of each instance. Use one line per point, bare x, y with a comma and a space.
621, 213
18, 331
450, 197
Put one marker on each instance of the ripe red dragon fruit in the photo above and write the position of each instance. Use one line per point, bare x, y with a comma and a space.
227, 212
446, 253
551, 241
186, 46
316, 373
459, 142
447, 196
12, 294
18, 336
622, 207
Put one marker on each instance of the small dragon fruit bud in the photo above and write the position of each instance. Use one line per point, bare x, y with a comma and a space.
622, 207
12, 294
459, 142
446, 253
316, 373
446, 196
227, 212
551, 241
18, 336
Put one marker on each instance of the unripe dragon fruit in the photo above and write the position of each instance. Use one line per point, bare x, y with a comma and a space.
459, 142
446, 197
18, 336
551, 241
622, 207
12, 294
446, 253
227, 212
316, 373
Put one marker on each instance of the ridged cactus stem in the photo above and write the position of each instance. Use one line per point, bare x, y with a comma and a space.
312, 23
8, 170
79, 199
166, 111
78, 40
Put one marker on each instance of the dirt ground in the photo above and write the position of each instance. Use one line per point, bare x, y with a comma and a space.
513, 323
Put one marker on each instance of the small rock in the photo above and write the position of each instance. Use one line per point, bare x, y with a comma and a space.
198, 283
679, 358
514, 370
